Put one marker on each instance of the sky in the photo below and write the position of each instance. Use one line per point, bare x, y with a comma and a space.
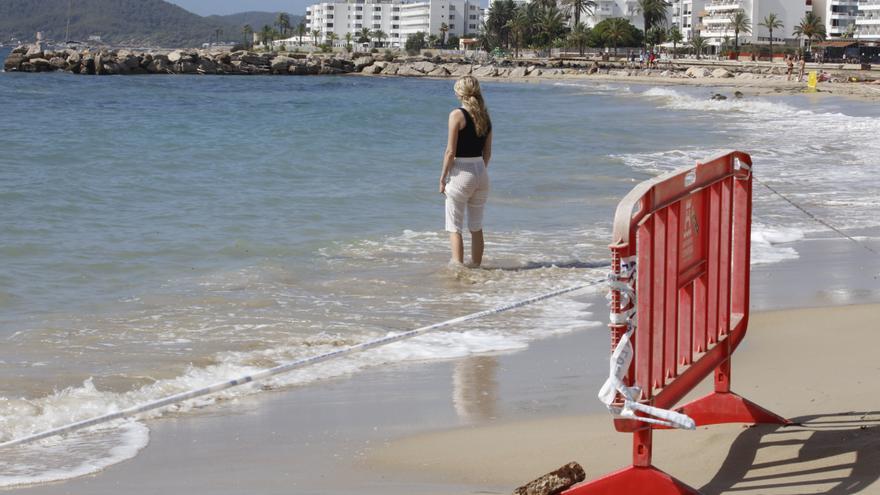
222, 7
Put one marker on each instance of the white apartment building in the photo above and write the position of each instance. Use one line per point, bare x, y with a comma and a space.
606, 9
397, 19
839, 16
868, 20
716, 25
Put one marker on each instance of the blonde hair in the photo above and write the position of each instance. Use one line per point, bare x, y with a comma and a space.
468, 91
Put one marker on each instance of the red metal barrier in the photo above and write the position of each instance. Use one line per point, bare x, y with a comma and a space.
688, 234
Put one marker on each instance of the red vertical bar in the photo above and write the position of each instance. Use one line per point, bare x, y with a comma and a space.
701, 292
742, 242
658, 277
685, 324
644, 247
714, 228
724, 266
670, 356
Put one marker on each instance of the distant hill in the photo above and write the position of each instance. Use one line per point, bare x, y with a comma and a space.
255, 19
123, 22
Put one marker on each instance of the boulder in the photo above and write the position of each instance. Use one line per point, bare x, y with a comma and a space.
519, 72
555, 482
159, 65
439, 71
58, 63
280, 64
99, 63
486, 71
298, 69
20, 50
34, 51
361, 63
13, 62
376, 68
697, 72
537, 72
207, 66
407, 70
40, 65
423, 67
718, 97
721, 73
390, 69
462, 70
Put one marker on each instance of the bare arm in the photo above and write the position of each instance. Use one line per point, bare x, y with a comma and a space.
456, 122
487, 149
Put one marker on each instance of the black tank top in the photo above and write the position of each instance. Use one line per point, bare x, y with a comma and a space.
469, 144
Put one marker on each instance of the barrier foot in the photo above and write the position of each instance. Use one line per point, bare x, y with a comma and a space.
633, 480
728, 407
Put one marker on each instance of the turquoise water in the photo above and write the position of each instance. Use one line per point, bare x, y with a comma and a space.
162, 233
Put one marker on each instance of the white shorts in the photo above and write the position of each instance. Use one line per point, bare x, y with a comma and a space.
467, 188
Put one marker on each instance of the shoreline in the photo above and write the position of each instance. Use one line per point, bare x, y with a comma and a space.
478, 424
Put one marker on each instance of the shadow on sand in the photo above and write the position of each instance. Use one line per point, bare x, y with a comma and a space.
836, 454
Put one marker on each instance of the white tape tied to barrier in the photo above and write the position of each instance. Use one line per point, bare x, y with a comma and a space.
622, 357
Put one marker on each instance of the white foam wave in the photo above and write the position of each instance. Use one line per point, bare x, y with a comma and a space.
767, 244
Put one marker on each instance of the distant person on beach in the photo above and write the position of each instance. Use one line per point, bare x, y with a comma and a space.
789, 67
802, 67
464, 178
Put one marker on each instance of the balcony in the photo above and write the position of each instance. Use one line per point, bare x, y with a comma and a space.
716, 21
723, 6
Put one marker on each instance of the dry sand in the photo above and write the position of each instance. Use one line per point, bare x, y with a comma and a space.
819, 367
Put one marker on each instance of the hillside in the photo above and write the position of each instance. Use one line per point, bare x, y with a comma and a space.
255, 19
119, 22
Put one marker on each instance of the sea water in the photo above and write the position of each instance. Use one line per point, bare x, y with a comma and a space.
163, 233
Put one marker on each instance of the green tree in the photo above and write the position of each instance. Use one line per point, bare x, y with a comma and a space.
615, 32
698, 43
653, 14
379, 35
740, 23
365, 36
579, 37
551, 25
301, 31
519, 29
674, 35
444, 28
415, 42
810, 28
316, 36
577, 7
348, 38
331, 38
656, 35
771, 22
248, 33
497, 18
267, 35
283, 23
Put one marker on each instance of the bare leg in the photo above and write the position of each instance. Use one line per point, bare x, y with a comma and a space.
477, 247
457, 247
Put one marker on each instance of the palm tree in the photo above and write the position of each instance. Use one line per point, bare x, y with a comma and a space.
579, 36
616, 29
497, 17
811, 28
433, 40
248, 33
675, 37
316, 35
348, 38
444, 28
850, 31
331, 39
551, 24
771, 22
698, 43
301, 31
740, 23
379, 35
266, 35
653, 13
283, 23
519, 29
576, 7
365, 36
656, 35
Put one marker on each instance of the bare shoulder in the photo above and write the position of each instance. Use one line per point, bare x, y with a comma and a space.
457, 118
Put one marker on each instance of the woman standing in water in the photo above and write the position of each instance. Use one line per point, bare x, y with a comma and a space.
464, 177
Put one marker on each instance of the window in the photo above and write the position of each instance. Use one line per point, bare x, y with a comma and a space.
451, 17
395, 9
473, 17
377, 9
472, 7
376, 26
451, 8
329, 24
395, 18
377, 17
358, 8
329, 7
473, 26
395, 26
358, 17
329, 16
395, 35
451, 27
358, 26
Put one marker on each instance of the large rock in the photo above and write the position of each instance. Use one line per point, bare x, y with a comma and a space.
697, 72
463, 70
407, 70
424, 67
362, 62
280, 64
180, 56
207, 66
721, 73
159, 65
13, 62
486, 71
519, 72
439, 71
40, 65
58, 63
376, 68
34, 51
390, 69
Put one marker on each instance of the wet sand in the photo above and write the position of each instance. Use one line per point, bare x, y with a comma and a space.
489, 423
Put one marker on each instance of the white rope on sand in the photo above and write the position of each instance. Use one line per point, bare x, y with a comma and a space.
285, 367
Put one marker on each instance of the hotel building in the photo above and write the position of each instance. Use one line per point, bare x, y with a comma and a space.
397, 19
